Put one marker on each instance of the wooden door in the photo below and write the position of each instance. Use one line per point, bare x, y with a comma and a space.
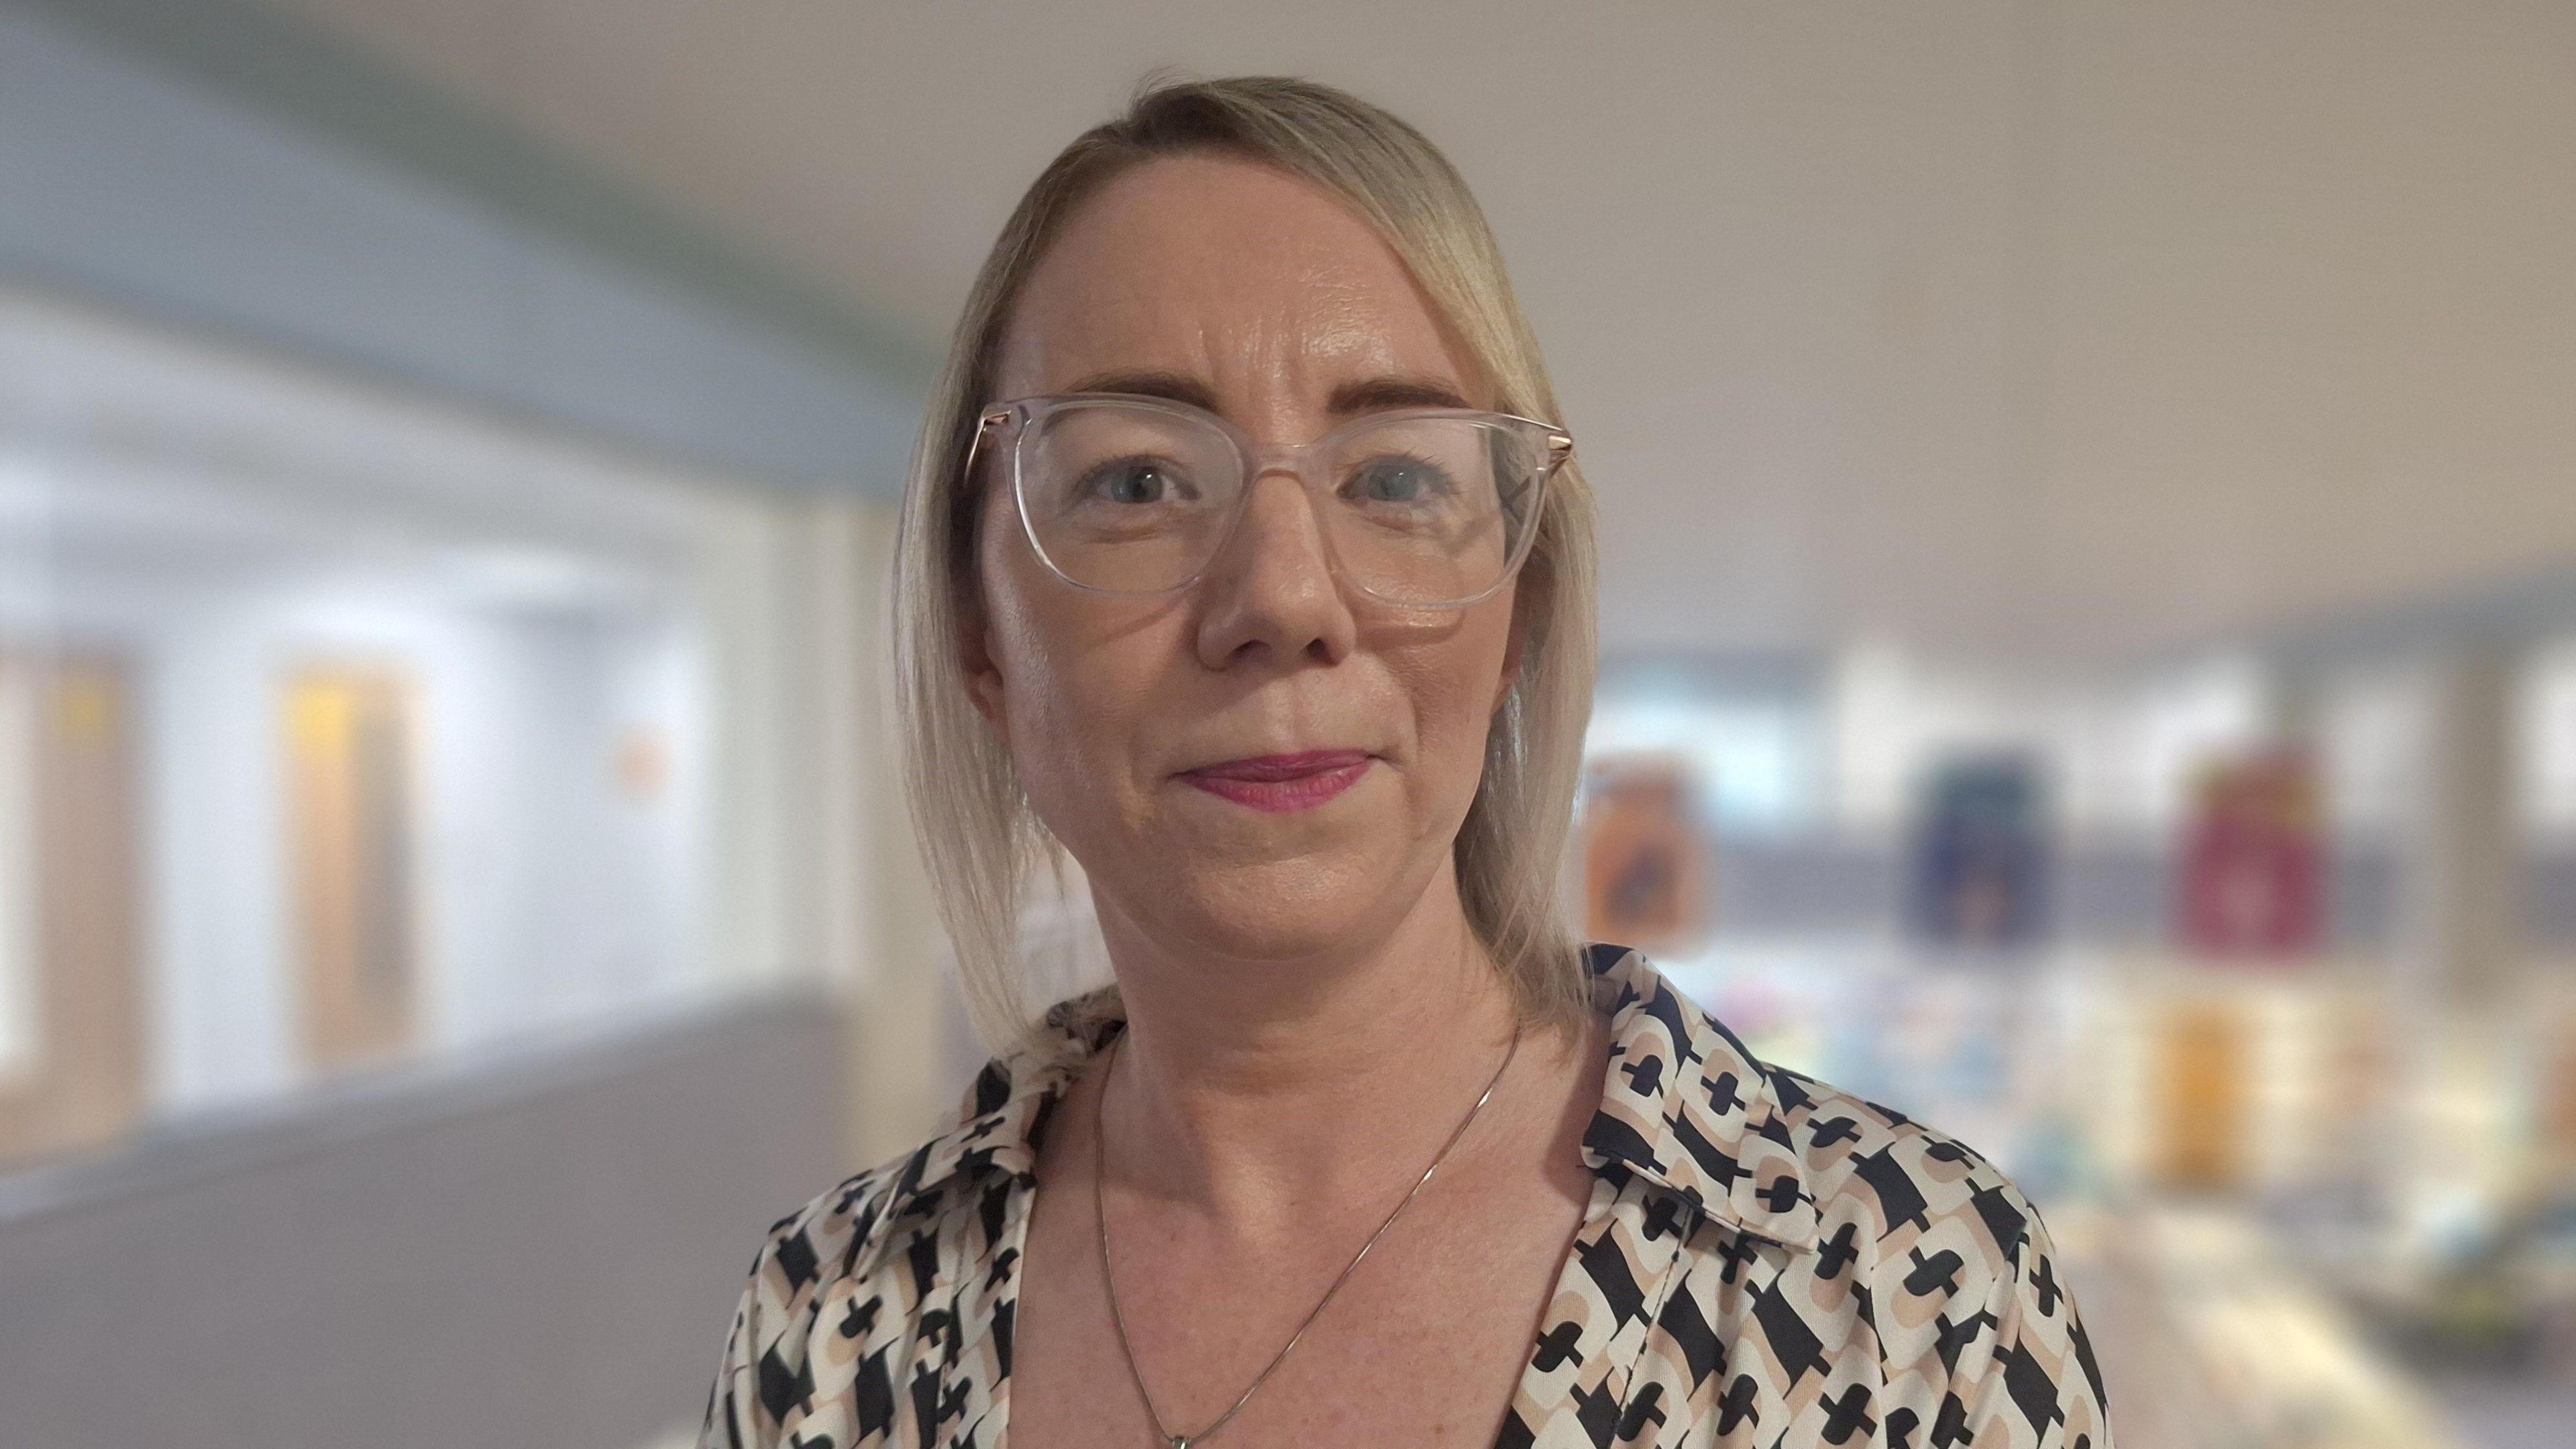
71, 1073
351, 861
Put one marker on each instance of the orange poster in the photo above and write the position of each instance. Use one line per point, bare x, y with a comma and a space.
1646, 863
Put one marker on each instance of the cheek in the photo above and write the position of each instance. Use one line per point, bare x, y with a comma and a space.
1069, 689
1453, 687
1038, 668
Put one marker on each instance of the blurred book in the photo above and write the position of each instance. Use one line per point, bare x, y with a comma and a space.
1646, 862
2250, 875
1979, 854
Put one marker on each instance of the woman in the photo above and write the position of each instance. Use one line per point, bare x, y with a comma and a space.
1243, 526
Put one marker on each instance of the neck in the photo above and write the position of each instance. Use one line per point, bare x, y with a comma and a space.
1248, 1087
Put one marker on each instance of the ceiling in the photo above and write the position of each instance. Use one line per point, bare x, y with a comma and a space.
250, 471
2065, 330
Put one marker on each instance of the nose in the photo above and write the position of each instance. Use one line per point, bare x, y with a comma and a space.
1270, 595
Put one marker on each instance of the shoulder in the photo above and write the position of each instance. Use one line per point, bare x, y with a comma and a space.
1871, 1174
989, 1144
835, 1240
1774, 1151
771, 1379
1865, 1263
1951, 1267
840, 1286
1894, 1180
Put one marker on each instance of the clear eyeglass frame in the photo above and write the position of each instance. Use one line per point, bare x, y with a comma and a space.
1020, 419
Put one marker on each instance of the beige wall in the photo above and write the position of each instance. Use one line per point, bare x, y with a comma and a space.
2063, 324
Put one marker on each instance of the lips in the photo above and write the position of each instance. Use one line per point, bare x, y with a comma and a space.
1281, 783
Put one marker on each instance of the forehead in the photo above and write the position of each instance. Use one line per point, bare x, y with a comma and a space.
1229, 270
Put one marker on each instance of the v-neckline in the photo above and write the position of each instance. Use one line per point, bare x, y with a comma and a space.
1559, 1346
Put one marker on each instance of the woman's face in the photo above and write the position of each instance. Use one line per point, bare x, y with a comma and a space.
1265, 764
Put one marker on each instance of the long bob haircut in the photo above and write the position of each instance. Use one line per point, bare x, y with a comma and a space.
980, 841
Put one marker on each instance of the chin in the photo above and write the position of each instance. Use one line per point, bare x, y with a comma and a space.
1276, 910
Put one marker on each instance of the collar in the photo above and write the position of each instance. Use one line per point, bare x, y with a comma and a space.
1685, 1108
1690, 1110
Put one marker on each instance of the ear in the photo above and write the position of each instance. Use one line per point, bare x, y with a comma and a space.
1527, 606
979, 656
979, 660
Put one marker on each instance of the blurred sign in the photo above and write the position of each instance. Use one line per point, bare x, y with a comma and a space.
2251, 858
1646, 867
1978, 854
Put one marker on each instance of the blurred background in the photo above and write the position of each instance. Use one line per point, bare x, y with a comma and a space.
2089, 616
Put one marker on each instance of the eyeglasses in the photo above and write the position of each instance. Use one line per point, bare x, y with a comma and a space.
1423, 507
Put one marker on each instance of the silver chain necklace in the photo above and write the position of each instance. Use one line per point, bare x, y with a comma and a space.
1109, 1280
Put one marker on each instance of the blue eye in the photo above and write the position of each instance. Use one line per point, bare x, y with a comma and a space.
1398, 478
1134, 481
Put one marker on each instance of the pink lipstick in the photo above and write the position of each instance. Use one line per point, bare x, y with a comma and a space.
1279, 783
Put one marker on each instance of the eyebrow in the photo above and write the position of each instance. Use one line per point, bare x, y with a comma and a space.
1361, 395
1375, 394
1173, 386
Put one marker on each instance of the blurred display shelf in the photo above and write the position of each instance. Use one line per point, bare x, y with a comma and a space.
2211, 1340
2211, 1143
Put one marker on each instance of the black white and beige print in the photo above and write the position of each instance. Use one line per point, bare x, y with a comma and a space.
1766, 1262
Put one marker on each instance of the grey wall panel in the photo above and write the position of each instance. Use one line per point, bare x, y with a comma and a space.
2099, 893
2112, 895
2361, 886
544, 1253
1782, 887
128, 182
2549, 895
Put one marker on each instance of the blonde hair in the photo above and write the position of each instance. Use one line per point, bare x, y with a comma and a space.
980, 840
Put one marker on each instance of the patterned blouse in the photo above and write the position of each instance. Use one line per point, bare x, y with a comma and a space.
1765, 1261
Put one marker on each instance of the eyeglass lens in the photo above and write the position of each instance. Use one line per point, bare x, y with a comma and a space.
1422, 510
